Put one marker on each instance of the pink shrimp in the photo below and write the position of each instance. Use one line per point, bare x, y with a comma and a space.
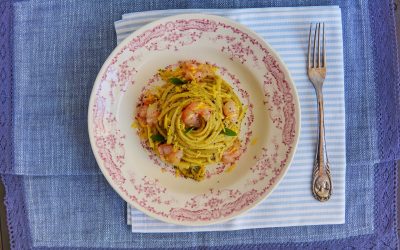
195, 70
232, 154
168, 153
148, 98
148, 114
141, 114
192, 114
231, 111
152, 114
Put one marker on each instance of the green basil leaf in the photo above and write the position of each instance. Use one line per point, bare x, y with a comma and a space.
229, 132
177, 81
187, 130
158, 138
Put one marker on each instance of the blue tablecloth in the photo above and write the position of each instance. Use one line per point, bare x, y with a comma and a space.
50, 53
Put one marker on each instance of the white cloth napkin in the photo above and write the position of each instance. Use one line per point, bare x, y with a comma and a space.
292, 203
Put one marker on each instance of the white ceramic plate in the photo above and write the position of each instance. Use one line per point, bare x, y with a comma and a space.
270, 131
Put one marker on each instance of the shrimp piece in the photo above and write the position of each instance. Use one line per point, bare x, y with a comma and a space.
192, 114
199, 75
148, 114
152, 114
231, 111
168, 153
196, 71
189, 66
148, 99
232, 154
189, 69
142, 113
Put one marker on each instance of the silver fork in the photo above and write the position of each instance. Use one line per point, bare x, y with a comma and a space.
316, 69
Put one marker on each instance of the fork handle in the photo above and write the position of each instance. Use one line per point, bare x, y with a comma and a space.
321, 181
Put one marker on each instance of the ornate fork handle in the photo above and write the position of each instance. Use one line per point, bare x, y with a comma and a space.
321, 182
316, 63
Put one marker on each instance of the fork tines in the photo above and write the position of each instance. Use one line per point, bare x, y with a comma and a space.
314, 58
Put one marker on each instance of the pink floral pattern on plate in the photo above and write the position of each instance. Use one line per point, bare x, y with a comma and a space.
242, 47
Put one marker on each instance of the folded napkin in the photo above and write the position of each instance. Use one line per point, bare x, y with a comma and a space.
291, 204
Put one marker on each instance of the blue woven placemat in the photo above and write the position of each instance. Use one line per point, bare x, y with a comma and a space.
85, 211
49, 63
372, 89
80, 230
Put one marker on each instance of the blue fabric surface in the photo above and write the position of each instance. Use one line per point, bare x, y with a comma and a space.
76, 218
73, 235
367, 137
56, 141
